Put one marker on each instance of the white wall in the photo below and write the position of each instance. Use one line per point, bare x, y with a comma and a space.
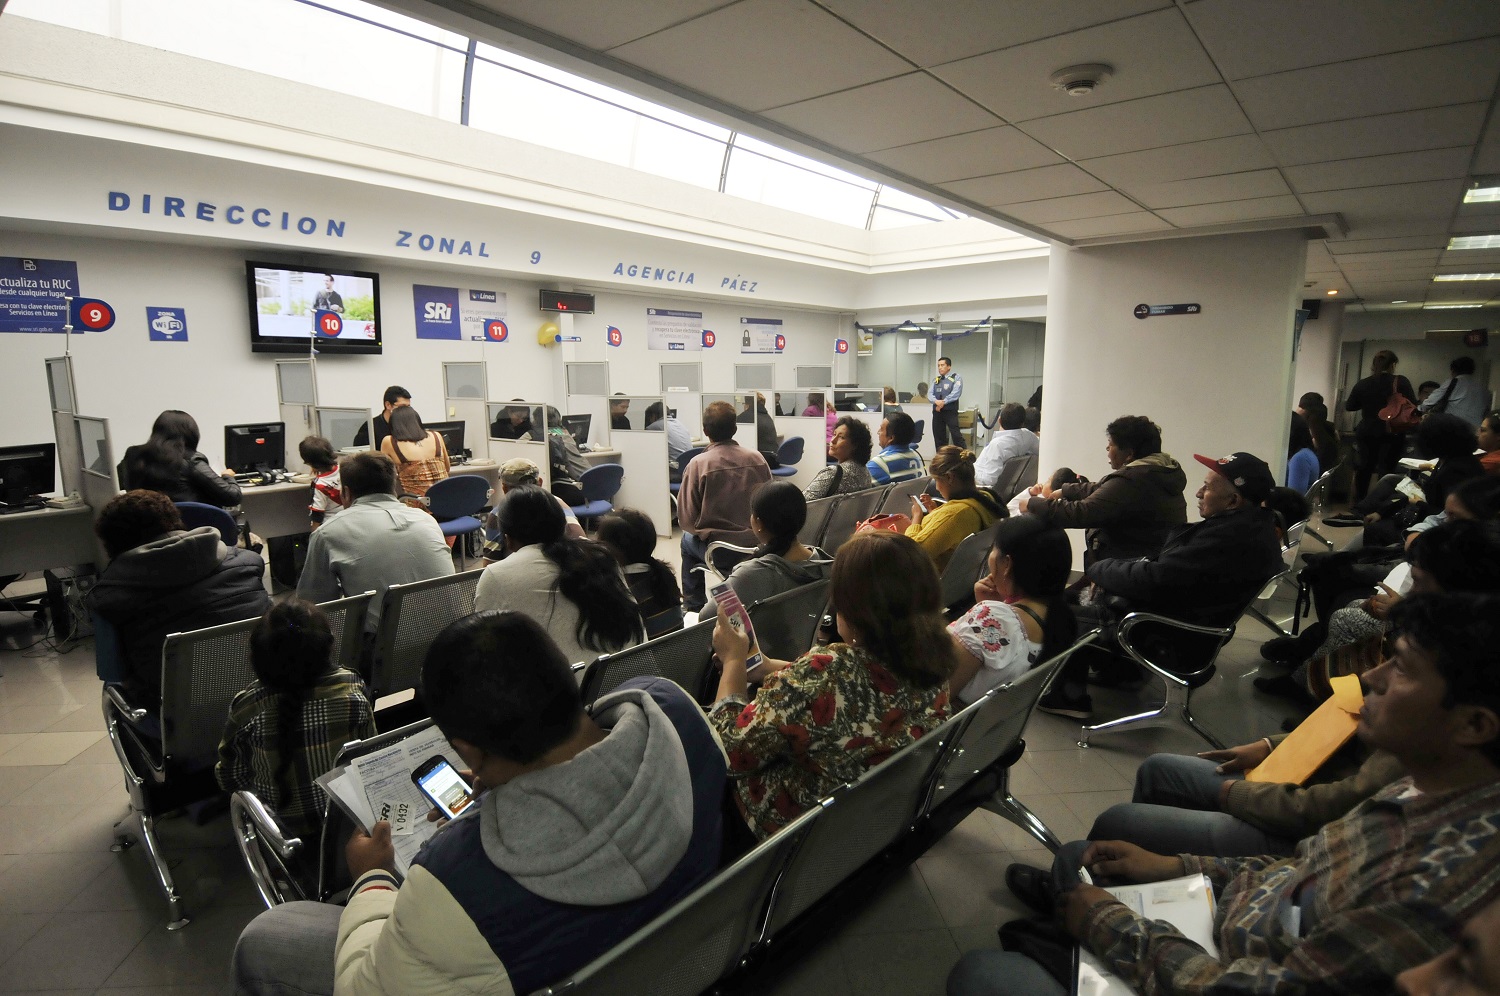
1318, 355
128, 379
1216, 382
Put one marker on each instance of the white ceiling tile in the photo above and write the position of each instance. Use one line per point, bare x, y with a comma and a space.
1132, 223
1071, 208
979, 153
1402, 202
1148, 123
1435, 240
899, 111
607, 24
1408, 131
1371, 171
1271, 36
1182, 162
1487, 155
1015, 84
962, 28
1026, 185
1203, 189
1429, 77
1232, 211
1470, 260
764, 53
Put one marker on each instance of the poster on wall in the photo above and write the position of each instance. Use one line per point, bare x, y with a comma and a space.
761, 335
32, 293
457, 313
674, 330
167, 324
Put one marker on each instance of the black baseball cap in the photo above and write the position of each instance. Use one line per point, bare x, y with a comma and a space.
1246, 471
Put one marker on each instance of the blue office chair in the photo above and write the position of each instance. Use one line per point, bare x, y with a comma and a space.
788, 456
196, 513
600, 484
455, 502
682, 463
921, 427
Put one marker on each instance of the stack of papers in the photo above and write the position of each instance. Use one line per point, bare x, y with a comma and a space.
378, 786
1187, 903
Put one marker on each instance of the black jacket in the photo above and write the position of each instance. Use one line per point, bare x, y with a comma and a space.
195, 481
182, 581
1206, 572
382, 429
1371, 394
1127, 512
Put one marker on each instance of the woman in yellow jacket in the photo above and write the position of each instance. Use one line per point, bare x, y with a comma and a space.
939, 526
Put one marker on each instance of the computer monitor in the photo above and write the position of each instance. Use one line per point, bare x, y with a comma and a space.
261, 446
25, 472
453, 435
578, 427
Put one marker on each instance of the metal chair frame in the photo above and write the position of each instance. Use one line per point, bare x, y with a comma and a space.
818, 511
265, 849
964, 566
202, 671
898, 496
1179, 687
1291, 551
786, 624
402, 637
682, 656
850, 510
1316, 495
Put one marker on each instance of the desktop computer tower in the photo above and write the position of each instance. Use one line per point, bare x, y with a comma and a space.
67, 588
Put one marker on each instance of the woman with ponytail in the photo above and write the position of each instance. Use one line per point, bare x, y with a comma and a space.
572, 587
939, 526
778, 511
826, 718
285, 729
1020, 617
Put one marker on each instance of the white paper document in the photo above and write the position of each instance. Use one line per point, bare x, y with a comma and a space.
1187, 903
378, 787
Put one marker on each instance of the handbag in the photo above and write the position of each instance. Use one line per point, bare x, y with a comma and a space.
1399, 414
896, 522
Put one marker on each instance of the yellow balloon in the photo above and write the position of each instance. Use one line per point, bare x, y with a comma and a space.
548, 333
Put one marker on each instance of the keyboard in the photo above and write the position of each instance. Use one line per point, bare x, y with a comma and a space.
12, 509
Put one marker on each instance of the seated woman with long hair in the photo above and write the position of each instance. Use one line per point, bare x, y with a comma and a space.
938, 527
781, 562
1020, 617
850, 450
826, 718
169, 462
630, 535
419, 453
572, 587
286, 727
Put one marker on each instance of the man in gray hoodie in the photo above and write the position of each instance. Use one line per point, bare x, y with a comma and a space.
589, 825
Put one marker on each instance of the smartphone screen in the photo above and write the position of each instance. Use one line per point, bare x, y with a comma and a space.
733, 610
441, 784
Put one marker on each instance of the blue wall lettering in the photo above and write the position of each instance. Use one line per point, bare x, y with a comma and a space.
439, 243
656, 274
178, 207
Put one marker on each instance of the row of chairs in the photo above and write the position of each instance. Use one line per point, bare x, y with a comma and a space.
752, 906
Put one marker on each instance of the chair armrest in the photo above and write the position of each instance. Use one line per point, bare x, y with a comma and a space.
1122, 635
134, 715
249, 805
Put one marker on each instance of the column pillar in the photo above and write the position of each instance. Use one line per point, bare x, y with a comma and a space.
1216, 382
1318, 355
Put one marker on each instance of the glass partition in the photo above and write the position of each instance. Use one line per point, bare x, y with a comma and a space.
93, 446
463, 380
517, 420
342, 426
60, 384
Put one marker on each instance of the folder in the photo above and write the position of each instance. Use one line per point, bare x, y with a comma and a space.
1316, 738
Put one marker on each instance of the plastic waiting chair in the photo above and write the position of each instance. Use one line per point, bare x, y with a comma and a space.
196, 514
964, 567
684, 657
899, 495
1317, 497
786, 624
818, 511
851, 510
789, 454
682, 462
411, 617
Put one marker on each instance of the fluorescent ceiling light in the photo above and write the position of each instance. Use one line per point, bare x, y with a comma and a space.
1449, 278
1400, 302
1474, 242
1440, 307
1482, 195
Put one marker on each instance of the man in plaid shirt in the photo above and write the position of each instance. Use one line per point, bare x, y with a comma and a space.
1381, 890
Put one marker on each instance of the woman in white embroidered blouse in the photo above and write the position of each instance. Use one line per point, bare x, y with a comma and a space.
1020, 617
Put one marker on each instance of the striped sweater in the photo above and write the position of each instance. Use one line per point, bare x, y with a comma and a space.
1379, 891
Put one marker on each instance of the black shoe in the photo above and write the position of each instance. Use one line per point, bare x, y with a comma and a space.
1059, 703
1283, 648
1032, 886
1283, 686
1344, 520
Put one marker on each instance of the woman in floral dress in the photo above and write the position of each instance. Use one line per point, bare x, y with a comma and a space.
826, 718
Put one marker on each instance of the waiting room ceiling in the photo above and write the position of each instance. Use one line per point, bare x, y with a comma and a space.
1218, 114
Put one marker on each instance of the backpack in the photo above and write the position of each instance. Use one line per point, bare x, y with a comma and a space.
1399, 414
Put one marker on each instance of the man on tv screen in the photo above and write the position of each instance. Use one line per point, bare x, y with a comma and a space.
328, 299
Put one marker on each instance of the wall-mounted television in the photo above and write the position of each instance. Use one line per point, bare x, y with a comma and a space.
291, 304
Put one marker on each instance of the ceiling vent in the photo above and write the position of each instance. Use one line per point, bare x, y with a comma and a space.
1080, 81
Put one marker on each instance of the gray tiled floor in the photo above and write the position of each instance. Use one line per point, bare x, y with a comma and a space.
79, 919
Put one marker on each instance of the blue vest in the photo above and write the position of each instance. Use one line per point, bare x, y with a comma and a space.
541, 942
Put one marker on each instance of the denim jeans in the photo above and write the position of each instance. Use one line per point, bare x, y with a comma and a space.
694, 589
288, 951
1175, 810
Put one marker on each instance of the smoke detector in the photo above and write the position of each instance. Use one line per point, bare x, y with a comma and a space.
1080, 81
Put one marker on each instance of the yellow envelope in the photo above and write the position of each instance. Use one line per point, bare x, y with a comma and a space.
1316, 738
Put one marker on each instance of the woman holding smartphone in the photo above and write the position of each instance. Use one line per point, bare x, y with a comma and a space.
826, 718
939, 525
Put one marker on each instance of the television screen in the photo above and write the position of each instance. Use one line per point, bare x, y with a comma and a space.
290, 305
